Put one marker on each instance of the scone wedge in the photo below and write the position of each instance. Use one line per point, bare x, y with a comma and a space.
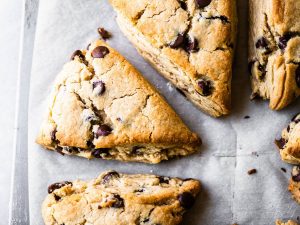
294, 186
120, 199
274, 51
189, 42
290, 222
101, 107
289, 143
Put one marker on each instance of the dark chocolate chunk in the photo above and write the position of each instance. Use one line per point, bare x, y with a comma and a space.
119, 202
186, 200
79, 54
90, 144
100, 52
191, 44
280, 143
103, 33
205, 87
100, 152
56, 197
183, 5
178, 41
284, 40
262, 43
103, 130
59, 185
110, 175
202, 3
247, 117
163, 180
100, 86
296, 178
252, 171
53, 135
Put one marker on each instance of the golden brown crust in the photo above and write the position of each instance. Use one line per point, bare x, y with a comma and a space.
274, 47
136, 115
154, 25
290, 222
289, 143
120, 199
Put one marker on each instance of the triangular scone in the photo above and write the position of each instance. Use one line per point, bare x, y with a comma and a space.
102, 107
189, 42
290, 222
294, 186
274, 51
289, 143
120, 199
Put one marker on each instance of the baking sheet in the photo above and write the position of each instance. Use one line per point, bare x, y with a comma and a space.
229, 194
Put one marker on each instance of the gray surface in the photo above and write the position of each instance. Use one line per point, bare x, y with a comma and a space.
229, 195
10, 23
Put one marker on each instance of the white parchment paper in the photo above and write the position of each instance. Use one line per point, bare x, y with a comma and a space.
229, 195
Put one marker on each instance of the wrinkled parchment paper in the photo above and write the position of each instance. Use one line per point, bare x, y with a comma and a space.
229, 194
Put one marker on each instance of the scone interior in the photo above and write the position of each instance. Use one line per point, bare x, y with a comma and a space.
101, 107
191, 44
289, 143
274, 51
120, 199
294, 186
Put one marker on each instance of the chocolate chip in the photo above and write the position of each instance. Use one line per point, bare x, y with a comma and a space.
183, 5
103, 130
288, 128
164, 180
119, 202
110, 175
71, 150
59, 185
103, 33
100, 52
296, 174
283, 169
202, 3
280, 143
56, 197
100, 153
79, 54
205, 87
90, 144
191, 44
284, 40
186, 200
53, 135
262, 43
298, 76
252, 171
99, 86
247, 117
178, 41
59, 150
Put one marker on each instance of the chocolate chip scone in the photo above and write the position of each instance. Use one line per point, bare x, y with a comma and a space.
290, 222
190, 42
289, 143
294, 186
101, 107
120, 199
274, 50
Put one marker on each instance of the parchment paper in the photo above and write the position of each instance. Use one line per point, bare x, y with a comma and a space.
229, 195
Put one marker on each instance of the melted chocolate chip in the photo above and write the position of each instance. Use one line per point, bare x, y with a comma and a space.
297, 76
77, 53
53, 135
191, 44
284, 40
280, 143
103, 33
202, 3
164, 180
186, 200
59, 185
178, 41
262, 43
205, 87
100, 152
183, 5
90, 144
119, 202
296, 178
100, 52
99, 86
110, 175
103, 130
56, 197
288, 128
